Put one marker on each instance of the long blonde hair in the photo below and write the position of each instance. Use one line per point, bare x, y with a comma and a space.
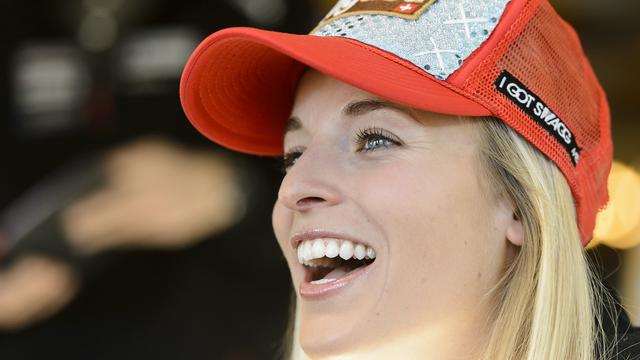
548, 299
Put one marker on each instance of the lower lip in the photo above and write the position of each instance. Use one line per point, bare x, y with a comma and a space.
309, 291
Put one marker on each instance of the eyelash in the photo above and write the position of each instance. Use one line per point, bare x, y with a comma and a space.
289, 159
363, 136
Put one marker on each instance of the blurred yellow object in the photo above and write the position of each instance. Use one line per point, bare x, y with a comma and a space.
618, 225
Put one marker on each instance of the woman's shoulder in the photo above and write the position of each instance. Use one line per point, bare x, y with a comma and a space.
624, 338
628, 345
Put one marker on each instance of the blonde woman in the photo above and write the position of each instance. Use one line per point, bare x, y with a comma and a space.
445, 162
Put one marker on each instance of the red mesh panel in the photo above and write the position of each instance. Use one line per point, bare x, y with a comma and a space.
545, 55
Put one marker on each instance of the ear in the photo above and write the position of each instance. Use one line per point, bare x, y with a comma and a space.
515, 231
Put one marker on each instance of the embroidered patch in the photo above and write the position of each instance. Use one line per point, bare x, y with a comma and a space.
408, 9
531, 104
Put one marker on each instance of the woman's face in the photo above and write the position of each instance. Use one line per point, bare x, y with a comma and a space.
370, 178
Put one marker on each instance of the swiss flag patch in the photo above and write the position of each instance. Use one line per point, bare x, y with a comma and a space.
406, 8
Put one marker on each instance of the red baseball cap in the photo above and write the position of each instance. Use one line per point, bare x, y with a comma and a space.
516, 60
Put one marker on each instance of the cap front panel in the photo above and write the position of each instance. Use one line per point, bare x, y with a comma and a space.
436, 36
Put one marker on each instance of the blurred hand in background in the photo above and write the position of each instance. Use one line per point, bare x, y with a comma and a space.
157, 194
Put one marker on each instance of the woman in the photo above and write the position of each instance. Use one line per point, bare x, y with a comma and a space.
445, 162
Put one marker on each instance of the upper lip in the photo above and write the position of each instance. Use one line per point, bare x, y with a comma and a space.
320, 233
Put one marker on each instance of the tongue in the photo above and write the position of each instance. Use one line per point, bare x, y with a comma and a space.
338, 272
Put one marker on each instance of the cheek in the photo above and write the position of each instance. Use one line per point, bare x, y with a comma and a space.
432, 218
421, 205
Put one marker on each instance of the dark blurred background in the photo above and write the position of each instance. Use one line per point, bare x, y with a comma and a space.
80, 78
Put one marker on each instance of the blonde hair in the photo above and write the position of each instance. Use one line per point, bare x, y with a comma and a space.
548, 299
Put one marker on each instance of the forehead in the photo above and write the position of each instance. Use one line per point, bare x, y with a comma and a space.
321, 94
317, 86
318, 93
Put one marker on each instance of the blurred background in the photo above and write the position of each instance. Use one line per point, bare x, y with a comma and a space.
125, 235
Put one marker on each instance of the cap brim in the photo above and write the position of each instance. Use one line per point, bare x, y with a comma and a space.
238, 86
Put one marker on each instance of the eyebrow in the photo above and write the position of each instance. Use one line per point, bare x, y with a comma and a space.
356, 108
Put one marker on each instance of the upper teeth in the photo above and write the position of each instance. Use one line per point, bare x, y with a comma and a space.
319, 248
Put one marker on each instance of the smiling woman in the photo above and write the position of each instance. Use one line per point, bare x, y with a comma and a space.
440, 182
453, 266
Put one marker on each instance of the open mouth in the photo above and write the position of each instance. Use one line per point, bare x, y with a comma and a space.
329, 260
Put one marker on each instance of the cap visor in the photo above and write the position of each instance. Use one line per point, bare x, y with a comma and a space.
238, 86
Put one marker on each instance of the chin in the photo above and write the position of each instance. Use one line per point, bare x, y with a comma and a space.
321, 338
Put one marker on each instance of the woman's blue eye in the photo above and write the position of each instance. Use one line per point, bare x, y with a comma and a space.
374, 138
373, 143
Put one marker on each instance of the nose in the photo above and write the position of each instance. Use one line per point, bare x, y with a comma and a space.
311, 182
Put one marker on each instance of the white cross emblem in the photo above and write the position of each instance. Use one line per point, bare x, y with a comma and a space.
340, 7
438, 53
465, 21
406, 7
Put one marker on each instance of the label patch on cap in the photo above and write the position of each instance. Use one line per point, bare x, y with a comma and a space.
531, 104
408, 9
